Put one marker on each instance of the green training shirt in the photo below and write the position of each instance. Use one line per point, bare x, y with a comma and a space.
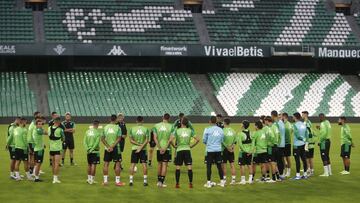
229, 137
10, 138
270, 136
56, 135
325, 131
139, 134
20, 135
312, 138
38, 137
92, 140
245, 142
163, 132
32, 127
111, 133
183, 138
288, 131
260, 142
346, 137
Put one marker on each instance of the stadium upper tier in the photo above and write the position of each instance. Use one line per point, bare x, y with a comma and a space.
127, 21
261, 22
15, 25
16, 98
134, 93
255, 94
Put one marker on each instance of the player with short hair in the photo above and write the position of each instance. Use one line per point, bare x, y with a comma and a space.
21, 149
10, 145
260, 145
246, 151
213, 139
287, 150
56, 136
279, 128
228, 149
346, 144
139, 138
54, 115
92, 146
325, 143
219, 121
311, 143
272, 138
300, 138
38, 137
183, 137
69, 139
111, 138
162, 132
122, 125
30, 140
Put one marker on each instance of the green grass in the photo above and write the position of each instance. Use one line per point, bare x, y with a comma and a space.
74, 188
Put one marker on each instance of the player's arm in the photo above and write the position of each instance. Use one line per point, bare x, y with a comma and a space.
171, 141
9, 139
86, 145
205, 136
143, 144
195, 143
103, 140
322, 133
155, 138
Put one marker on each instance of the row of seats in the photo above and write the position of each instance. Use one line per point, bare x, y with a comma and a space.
16, 98
279, 22
131, 21
15, 25
134, 93
255, 94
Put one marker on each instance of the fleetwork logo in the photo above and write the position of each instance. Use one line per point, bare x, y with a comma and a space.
116, 51
59, 49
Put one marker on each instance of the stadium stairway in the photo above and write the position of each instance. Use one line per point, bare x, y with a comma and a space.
201, 28
203, 85
354, 26
39, 84
39, 32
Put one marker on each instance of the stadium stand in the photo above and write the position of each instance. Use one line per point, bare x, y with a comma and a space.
254, 94
279, 22
16, 98
128, 21
16, 26
134, 93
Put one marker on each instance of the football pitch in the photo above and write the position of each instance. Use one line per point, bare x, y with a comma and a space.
74, 188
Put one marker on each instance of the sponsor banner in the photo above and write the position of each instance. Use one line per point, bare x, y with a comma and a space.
7, 49
170, 50
124, 50
235, 51
338, 52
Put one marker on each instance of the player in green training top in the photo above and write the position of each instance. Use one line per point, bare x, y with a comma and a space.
228, 150
287, 151
346, 144
324, 143
111, 138
245, 152
162, 132
259, 145
56, 136
21, 149
272, 137
310, 143
38, 137
139, 138
10, 145
183, 137
30, 140
92, 146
